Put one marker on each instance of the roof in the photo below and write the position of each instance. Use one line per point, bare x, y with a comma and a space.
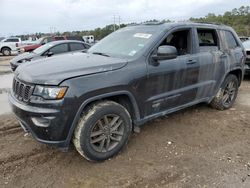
65, 41
167, 25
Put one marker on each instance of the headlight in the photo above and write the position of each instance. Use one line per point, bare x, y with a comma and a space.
24, 60
50, 92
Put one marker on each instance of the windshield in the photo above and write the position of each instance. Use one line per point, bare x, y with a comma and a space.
246, 44
126, 43
42, 48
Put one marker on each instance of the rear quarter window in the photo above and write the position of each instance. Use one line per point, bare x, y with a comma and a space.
230, 40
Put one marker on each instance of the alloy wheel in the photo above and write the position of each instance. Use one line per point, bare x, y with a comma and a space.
107, 133
229, 93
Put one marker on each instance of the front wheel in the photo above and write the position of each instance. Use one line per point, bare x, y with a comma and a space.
227, 94
102, 131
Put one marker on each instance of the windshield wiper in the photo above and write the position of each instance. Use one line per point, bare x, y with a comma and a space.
100, 53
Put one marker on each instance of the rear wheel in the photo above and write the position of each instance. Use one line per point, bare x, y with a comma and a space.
102, 131
6, 51
227, 94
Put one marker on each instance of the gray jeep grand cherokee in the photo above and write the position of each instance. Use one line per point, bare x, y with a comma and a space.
96, 98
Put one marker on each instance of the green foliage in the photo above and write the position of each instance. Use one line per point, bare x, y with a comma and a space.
239, 19
99, 33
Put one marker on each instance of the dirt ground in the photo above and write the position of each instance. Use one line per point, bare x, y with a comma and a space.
197, 147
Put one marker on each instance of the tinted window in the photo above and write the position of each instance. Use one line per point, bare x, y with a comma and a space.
74, 38
59, 38
207, 37
231, 42
61, 48
76, 46
12, 40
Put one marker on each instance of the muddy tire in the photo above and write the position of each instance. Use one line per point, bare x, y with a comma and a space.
227, 93
102, 131
6, 51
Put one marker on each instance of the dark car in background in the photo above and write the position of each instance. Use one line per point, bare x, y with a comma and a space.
48, 50
133, 75
246, 45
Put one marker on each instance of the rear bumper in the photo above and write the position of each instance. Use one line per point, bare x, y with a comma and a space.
14, 52
46, 125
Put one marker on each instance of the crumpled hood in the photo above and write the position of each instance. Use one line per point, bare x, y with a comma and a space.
53, 70
25, 55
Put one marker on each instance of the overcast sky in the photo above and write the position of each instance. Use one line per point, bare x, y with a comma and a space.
29, 16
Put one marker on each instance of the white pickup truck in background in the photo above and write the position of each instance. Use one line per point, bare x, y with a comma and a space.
9, 46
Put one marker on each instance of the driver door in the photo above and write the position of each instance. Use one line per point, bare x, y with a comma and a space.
171, 83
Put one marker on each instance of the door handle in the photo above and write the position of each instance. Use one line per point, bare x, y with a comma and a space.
191, 61
224, 55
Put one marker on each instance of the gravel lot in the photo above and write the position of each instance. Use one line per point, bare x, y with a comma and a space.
5, 64
197, 147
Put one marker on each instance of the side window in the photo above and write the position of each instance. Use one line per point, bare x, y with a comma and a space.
61, 48
207, 37
181, 40
76, 46
230, 39
12, 40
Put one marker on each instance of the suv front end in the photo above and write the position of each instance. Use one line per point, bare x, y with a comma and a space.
43, 111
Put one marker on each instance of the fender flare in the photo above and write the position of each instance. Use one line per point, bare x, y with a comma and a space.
92, 99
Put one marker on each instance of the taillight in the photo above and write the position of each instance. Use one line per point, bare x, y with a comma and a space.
16, 44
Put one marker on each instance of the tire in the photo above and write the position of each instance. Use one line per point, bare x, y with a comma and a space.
102, 131
229, 88
6, 51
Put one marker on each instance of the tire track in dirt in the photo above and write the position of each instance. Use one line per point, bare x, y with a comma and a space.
10, 126
13, 158
10, 130
20, 162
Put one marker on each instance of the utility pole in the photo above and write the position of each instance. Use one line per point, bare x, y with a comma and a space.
119, 22
114, 22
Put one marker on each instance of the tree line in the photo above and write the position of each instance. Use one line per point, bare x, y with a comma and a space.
238, 18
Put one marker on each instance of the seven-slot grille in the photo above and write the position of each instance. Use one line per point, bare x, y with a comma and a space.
21, 91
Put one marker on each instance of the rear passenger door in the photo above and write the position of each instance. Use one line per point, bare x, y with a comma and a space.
232, 49
208, 55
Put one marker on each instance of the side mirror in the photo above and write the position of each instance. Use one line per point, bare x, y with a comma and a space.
50, 54
165, 52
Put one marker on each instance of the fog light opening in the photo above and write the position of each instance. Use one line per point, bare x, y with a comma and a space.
42, 121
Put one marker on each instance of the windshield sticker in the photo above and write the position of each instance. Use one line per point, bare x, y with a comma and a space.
132, 53
142, 35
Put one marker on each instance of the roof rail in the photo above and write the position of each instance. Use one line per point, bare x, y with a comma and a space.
205, 22
154, 22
